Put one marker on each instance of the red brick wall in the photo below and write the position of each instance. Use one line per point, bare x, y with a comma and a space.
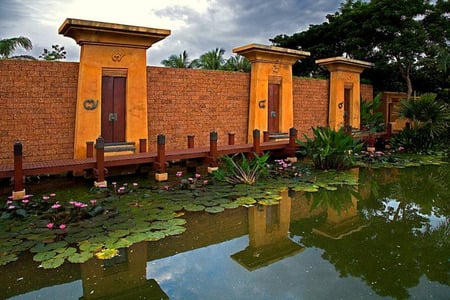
310, 104
37, 105
184, 102
38, 101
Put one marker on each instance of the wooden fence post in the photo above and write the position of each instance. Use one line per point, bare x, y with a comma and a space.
89, 149
257, 141
292, 147
100, 162
142, 145
231, 138
191, 138
213, 154
161, 174
19, 191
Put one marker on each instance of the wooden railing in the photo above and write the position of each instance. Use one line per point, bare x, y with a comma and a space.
100, 163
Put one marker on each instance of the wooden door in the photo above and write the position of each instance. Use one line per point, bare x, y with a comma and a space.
113, 109
273, 124
347, 101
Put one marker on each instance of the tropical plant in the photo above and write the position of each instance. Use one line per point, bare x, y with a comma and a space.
211, 60
371, 119
177, 61
57, 53
429, 123
239, 169
237, 63
8, 46
330, 149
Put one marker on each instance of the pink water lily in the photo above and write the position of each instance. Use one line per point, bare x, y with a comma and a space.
11, 207
45, 198
197, 175
93, 201
49, 225
166, 187
56, 205
179, 174
52, 195
62, 226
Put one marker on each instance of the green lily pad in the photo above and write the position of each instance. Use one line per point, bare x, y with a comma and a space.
137, 237
52, 263
214, 209
154, 236
175, 230
230, 205
88, 246
268, 201
245, 200
6, 259
79, 258
42, 256
107, 253
194, 207
119, 233
65, 252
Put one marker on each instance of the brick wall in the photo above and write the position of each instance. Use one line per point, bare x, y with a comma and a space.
37, 105
38, 101
310, 104
186, 102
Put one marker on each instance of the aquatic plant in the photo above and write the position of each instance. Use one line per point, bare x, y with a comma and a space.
330, 149
238, 169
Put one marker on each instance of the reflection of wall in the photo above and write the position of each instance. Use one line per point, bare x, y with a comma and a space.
268, 235
123, 277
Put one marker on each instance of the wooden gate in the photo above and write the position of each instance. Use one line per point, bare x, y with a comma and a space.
113, 109
273, 123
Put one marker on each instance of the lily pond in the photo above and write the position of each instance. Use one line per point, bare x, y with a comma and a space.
368, 233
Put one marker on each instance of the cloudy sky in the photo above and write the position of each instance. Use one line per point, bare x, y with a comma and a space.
197, 26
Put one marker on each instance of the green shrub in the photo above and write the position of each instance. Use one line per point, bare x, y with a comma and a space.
330, 149
429, 124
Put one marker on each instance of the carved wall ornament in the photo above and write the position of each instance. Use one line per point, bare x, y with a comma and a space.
90, 104
117, 57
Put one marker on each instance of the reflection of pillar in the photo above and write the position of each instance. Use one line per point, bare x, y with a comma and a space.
268, 235
345, 95
270, 65
343, 222
123, 275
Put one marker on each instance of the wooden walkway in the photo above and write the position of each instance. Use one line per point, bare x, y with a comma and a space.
101, 162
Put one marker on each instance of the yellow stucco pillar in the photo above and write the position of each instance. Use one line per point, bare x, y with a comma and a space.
113, 50
345, 99
271, 104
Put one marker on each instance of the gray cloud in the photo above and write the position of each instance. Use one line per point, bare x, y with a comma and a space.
225, 24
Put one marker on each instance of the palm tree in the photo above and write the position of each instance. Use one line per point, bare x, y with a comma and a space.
8, 46
211, 60
237, 63
177, 61
430, 118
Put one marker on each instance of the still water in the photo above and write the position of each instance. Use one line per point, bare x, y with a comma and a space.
387, 238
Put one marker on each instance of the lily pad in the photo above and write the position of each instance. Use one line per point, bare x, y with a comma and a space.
107, 253
119, 233
6, 259
155, 236
194, 207
42, 256
79, 258
214, 209
52, 263
175, 230
245, 200
230, 205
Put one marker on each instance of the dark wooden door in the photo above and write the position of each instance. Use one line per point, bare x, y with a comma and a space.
273, 124
113, 109
347, 100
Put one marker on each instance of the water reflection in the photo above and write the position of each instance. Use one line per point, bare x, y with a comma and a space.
268, 235
388, 237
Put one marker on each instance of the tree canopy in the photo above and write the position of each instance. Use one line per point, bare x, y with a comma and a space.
408, 40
